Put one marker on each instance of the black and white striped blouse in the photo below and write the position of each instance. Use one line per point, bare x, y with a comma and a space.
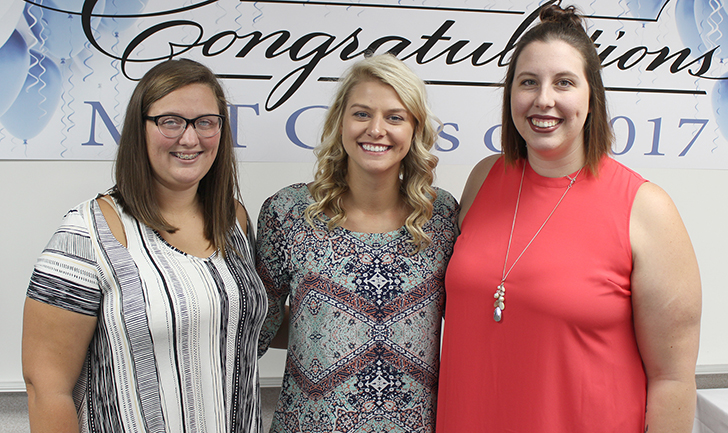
175, 345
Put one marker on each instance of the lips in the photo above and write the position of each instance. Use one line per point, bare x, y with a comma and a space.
186, 156
374, 147
544, 123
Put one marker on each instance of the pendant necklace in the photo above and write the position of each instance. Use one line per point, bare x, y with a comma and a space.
500, 293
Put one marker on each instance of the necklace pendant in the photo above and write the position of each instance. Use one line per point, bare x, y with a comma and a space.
500, 294
500, 302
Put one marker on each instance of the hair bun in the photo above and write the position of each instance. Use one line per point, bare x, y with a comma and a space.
555, 14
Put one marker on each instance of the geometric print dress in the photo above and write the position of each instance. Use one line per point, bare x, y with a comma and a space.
364, 340
175, 344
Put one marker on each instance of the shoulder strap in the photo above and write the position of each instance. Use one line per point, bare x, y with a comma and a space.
113, 219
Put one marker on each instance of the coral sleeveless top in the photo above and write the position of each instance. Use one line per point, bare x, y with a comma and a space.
564, 357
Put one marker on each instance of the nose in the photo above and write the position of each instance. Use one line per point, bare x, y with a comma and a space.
376, 127
544, 98
189, 136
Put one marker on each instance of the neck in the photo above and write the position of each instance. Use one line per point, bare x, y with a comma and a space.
173, 203
373, 196
558, 167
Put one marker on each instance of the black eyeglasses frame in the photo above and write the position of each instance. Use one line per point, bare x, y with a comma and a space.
188, 122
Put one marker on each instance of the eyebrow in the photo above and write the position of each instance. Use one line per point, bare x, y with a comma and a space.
179, 115
558, 74
394, 110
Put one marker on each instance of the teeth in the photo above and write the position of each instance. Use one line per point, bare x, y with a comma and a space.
544, 123
187, 156
374, 147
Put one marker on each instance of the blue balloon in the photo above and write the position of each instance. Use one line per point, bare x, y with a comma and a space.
58, 33
121, 8
645, 8
687, 28
712, 23
720, 105
13, 69
37, 101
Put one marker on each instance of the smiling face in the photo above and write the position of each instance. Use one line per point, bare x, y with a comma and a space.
376, 130
180, 163
550, 101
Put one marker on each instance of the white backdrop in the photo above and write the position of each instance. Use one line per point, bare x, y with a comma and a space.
62, 98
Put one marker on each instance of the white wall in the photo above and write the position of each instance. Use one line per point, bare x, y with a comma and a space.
36, 194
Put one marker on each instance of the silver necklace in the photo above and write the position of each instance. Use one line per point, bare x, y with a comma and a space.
500, 293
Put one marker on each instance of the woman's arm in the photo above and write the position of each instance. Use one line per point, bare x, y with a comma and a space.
280, 341
271, 264
473, 184
55, 343
666, 300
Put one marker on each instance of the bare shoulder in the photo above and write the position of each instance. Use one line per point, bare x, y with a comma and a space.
663, 256
653, 210
111, 215
473, 184
242, 216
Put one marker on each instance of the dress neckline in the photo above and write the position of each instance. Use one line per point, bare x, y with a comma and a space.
325, 219
177, 250
124, 216
550, 182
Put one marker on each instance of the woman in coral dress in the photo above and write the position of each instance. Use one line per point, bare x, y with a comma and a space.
573, 293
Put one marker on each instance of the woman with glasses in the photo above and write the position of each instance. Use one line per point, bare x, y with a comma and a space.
143, 311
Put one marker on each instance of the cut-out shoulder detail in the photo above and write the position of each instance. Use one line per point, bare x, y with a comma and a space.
111, 214
242, 215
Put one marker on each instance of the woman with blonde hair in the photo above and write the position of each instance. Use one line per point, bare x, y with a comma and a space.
361, 253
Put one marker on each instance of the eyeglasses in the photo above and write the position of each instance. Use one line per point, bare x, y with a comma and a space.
171, 126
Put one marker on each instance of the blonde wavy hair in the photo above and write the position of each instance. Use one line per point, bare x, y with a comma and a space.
417, 167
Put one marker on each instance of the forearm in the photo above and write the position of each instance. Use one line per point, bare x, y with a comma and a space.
51, 412
271, 329
670, 406
280, 341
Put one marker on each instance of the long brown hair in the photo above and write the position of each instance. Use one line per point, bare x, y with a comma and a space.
218, 189
417, 168
563, 25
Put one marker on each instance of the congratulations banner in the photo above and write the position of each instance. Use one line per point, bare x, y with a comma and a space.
67, 69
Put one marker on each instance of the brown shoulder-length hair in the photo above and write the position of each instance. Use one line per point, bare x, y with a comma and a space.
417, 167
218, 190
563, 25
